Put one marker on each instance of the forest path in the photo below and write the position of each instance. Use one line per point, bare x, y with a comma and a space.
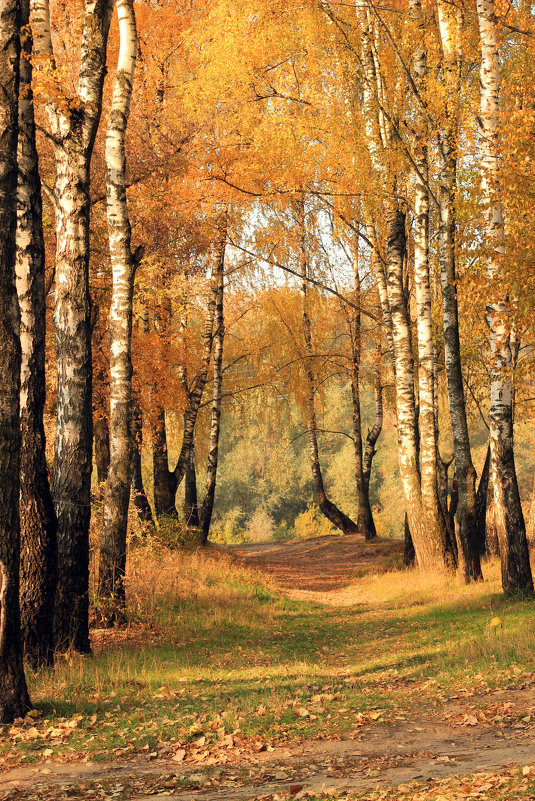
383, 757
446, 740
321, 564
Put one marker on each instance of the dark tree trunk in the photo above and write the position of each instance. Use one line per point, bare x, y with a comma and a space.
365, 522
215, 421
140, 499
195, 390
191, 502
38, 556
101, 432
373, 434
466, 524
165, 483
486, 536
14, 700
409, 554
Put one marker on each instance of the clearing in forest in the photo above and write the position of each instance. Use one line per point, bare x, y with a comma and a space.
310, 669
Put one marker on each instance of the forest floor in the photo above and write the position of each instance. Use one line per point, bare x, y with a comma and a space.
312, 669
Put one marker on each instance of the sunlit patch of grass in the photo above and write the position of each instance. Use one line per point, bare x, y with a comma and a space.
210, 643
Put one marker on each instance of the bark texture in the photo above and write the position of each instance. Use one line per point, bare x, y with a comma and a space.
503, 485
139, 496
115, 517
435, 519
365, 521
191, 501
14, 700
101, 436
38, 555
74, 128
215, 418
450, 19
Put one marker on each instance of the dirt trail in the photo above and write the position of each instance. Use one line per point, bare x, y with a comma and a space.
385, 757
321, 564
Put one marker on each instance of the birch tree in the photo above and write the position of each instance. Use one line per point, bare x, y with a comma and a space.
73, 123
14, 700
217, 389
123, 264
449, 26
508, 517
38, 558
422, 287
427, 534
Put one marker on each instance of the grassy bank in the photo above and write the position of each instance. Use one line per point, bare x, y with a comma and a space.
216, 661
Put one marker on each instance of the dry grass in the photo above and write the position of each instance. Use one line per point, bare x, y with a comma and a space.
210, 642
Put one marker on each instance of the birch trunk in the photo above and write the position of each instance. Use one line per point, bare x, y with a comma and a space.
215, 420
14, 700
428, 539
449, 23
115, 518
508, 516
420, 534
426, 361
38, 555
74, 131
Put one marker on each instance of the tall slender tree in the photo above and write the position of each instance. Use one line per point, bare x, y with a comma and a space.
73, 125
450, 25
503, 485
14, 700
38, 560
217, 391
123, 264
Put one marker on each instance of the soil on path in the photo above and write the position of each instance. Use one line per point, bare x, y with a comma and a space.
321, 564
421, 750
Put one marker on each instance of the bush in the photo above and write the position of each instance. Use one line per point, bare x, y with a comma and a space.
312, 523
260, 527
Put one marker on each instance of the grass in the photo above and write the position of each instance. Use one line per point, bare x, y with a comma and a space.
213, 650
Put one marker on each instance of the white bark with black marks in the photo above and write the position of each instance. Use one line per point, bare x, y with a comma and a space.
503, 486
117, 496
73, 125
